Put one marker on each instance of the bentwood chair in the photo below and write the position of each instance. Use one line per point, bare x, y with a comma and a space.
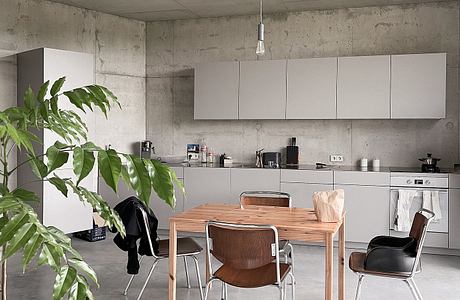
271, 198
186, 247
393, 257
249, 256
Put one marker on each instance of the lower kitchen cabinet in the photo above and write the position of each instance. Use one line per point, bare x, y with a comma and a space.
302, 193
367, 211
204, 185
254, 180
454, 213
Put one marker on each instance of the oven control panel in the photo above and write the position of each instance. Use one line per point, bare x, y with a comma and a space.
420, 181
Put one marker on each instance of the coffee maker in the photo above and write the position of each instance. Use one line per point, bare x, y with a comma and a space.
146, 149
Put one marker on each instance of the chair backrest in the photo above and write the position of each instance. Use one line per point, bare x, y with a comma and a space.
242, 246
147, 229
418, 232
265, 198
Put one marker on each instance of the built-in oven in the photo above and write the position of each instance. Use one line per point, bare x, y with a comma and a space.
415, 184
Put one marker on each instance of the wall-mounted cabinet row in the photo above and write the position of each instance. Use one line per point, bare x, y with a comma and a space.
411, 86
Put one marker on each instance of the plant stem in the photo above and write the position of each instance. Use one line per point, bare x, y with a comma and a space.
5, 215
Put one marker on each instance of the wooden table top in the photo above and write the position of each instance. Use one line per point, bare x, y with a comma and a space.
285, 218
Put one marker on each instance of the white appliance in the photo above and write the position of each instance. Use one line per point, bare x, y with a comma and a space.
437, 234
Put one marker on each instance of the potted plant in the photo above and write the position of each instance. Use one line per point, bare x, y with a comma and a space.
20, 227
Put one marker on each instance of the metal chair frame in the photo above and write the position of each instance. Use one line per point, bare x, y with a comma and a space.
158, 258
288, 248
409, 280
281, 285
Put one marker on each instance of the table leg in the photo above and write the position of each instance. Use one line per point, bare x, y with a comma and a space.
172, 259
342, 260
329, 272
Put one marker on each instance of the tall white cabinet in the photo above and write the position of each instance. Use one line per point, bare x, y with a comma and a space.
418, 86
363, 87
34, 68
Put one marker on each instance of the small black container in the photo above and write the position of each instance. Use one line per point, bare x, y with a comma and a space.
92, 235
292, 153
271, 160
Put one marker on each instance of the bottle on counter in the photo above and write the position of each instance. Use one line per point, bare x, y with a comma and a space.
204, 153
210, 156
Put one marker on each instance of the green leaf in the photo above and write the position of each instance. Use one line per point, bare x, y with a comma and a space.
56, 158
38, 167
50, 255
110, 167
29, 99
25, 195
8, 231
8, 203
64, 280
83, 163
3, 189
82, 265
57, 85
110, 94
78, 291
20, 238
44, 110
59, 184
90, 146
31, 249
163, 183
75, 100
54, 105
13, 133
139, 177
42, 91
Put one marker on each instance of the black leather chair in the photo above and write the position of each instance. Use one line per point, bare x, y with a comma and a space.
394, 257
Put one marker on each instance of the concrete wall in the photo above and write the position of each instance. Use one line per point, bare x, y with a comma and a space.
117, 43
174, 46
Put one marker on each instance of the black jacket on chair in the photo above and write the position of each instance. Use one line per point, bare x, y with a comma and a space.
131, 216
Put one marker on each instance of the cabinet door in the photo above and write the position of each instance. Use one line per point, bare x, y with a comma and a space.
302, 193
363, 87
454, 218
311, 88
216, 90
262, 89
254, 180
368, 210
418, 86
206, 185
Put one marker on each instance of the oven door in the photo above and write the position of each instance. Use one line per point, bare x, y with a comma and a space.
441, 226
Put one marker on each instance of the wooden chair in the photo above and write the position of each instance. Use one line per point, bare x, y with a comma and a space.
249, 256
271, 198
393, 257
186, 247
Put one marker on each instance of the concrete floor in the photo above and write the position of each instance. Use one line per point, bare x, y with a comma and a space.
440, 278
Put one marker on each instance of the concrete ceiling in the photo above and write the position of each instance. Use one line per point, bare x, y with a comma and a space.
154, 10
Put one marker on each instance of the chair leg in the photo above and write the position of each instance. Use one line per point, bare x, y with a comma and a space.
293, 283
198, 277
125, 292
224, 286
187, 277
280, 287
208, 288
226, 291
414, 289
358, 288
148, 278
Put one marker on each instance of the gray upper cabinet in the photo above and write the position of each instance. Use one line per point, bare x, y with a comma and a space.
216, 91
262, 89
418, 86
363, 87
311, 88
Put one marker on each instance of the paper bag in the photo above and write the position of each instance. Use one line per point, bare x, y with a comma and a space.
328, 205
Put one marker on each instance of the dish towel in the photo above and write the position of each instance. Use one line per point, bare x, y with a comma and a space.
431, 202
402, 221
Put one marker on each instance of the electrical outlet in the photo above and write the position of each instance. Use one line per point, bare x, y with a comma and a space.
336, 158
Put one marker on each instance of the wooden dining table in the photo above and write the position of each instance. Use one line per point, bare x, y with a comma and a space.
294, 224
